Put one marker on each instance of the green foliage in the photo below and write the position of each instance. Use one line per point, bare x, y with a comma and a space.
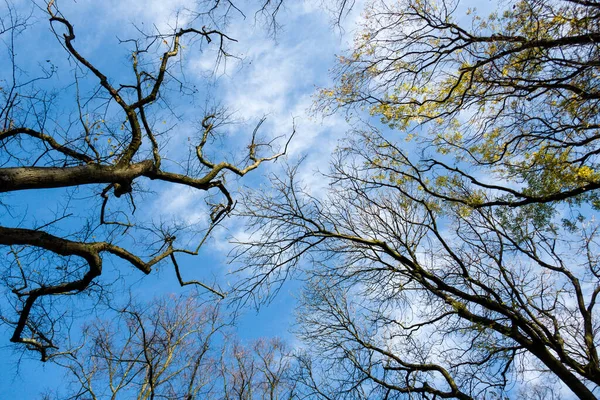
513, 95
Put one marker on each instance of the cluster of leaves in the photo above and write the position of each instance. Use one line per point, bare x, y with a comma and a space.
513, 96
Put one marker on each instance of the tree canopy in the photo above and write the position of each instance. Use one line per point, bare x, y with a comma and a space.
455, 254
515, 94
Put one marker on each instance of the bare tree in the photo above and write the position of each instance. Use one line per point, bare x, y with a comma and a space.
107, 149
462, 264
155, 350
259, 371
415, 297
175, 348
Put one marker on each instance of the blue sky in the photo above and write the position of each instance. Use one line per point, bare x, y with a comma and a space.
272, 78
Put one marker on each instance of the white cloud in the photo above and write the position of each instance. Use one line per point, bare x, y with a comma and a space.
181, 203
